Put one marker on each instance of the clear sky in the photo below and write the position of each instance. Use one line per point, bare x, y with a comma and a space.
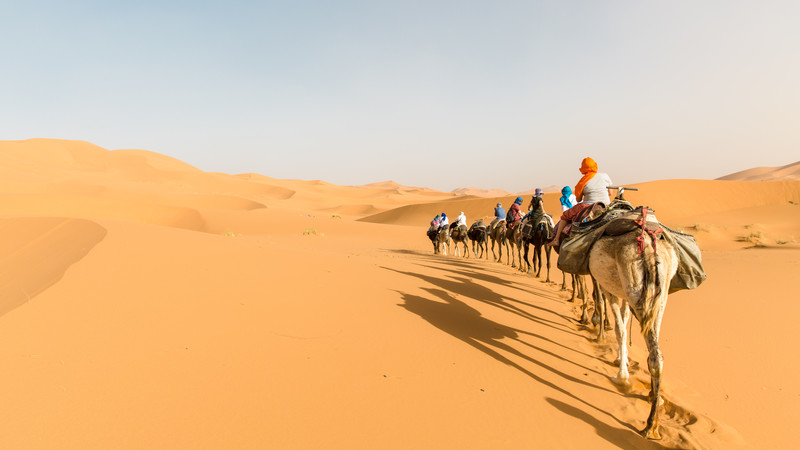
443, 94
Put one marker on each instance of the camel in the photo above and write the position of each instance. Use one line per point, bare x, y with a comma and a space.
537, 232
635, 275
498, 234
459, 234
579, 289
478, 235
433, 235
514, 239
443, 241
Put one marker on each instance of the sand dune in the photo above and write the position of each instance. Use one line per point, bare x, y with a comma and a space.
788, 172
148, 304
552, 188
477, 192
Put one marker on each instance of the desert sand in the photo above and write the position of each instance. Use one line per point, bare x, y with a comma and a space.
149, 304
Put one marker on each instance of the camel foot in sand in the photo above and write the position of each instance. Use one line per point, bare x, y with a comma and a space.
651, 433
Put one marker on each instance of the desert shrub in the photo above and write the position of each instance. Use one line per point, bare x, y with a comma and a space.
756, 238
699, 227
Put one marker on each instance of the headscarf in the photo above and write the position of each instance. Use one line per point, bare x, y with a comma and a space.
518, 200
566, 191
589, 170
538, 192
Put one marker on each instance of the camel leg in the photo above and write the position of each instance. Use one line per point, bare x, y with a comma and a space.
585, 298
607, 314
597, 314
538, 252
574, 282
655, 362
600, 304
526, 256
547, 253
512, 257
563, 281
621, 316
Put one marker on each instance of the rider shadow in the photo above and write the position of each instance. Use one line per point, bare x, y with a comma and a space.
474, 269
469, 263
463, 286
471, 273
467, 324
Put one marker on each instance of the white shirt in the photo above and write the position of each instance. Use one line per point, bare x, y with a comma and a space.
572, 201
596, 189
462, 220
444, 221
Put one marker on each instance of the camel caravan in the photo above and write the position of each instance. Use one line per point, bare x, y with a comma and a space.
631, 260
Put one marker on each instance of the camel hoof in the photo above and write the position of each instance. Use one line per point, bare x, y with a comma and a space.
651, 433
621, 382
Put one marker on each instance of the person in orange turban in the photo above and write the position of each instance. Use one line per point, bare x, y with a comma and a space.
592, 188
589, 170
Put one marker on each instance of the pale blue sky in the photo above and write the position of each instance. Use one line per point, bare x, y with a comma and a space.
444, 94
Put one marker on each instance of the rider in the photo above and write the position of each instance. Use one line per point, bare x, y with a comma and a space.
592, 188
538, 193
434, 227
460, 220
567, 199
444, 221
499, 214
435, 222
514, 215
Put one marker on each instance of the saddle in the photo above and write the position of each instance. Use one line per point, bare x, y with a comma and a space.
498, 224
432, 233
477, 225
529, 227
621, 218
476, 230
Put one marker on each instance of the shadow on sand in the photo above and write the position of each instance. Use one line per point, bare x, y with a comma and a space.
444, 311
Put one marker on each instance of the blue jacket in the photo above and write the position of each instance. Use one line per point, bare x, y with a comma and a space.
500, 213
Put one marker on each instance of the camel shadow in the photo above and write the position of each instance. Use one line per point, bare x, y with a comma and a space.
478, 269
467, 324
616, 436
463, 286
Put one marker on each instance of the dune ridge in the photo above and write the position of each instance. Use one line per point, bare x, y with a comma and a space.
788, 172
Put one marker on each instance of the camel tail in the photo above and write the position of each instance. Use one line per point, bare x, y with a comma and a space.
651, 287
